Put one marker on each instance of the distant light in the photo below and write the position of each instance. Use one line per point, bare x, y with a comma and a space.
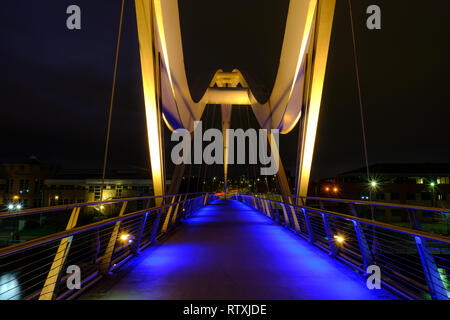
56, 197
339, 239
19, 206
432, 184
335, 189
124, 237
327, 189
10, 206
102, 207
374, 184
16, 197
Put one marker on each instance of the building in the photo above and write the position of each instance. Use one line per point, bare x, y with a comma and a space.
412, 184
22, 184
31, 184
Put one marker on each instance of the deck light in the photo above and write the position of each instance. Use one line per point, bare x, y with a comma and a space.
124, 237
339, 239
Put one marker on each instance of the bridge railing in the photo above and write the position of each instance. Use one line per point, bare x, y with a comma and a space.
429, 219
413, 263
64, 263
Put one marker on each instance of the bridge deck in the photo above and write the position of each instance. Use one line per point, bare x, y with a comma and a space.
229, 251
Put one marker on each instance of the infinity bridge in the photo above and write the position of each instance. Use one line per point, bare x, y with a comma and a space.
202, 247
253, 246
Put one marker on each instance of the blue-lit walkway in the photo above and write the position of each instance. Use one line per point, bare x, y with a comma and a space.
229, 251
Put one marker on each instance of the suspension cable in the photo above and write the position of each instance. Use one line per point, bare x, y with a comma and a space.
108, 130
359, 91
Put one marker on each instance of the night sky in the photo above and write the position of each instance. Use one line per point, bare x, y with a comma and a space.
56, 83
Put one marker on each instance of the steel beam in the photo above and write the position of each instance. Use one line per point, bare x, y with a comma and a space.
151, 80
316, 66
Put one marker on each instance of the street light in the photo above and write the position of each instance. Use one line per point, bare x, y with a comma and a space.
373, 183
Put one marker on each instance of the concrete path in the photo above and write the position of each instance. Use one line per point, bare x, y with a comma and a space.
230, 251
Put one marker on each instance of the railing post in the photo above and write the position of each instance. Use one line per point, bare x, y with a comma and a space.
294, 218
175, 213
362, 241
169, 212
266, 206
363, 246
156, 225
137, 244
141, 232
286, 217
107, 257
54, 275
309, 227
330, 236
434, 280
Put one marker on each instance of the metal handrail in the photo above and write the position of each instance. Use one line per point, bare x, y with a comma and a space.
408, 231
368, 203
39, 264
67, 233
84, 204
414, 263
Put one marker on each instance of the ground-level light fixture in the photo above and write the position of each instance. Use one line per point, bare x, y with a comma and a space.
124, 236
339, 239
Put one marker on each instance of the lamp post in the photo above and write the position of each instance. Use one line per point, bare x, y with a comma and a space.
433, 193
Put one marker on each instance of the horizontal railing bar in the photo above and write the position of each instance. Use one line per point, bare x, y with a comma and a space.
63, 234
412, 232
368, 203
84, 204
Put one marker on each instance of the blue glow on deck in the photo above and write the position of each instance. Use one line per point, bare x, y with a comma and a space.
227, 250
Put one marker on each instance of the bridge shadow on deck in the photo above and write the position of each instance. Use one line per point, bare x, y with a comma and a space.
230, 251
